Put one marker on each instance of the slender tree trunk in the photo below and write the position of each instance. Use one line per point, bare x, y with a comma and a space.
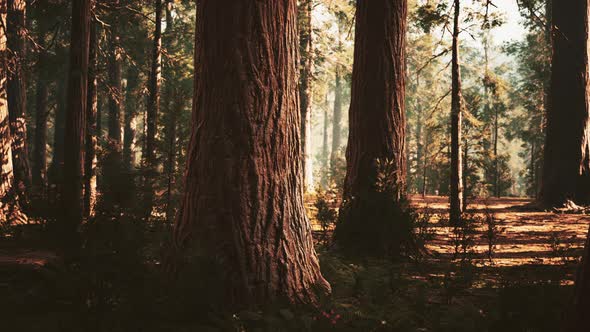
456, 104
465, 172
154, 88
6, 168
336, 120
131, 114
305, 90
174, 106
16, 91
91, 159
42, 112
56, 168
496, 160
567, 150
115, 65
247, 217
325, 148
75, 132
376, 141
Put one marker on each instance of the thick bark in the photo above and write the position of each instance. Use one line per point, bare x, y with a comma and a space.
305, 90
6, 168
566, 171
247, 216
456, 192
16, 91
75, 132
91, 159
376, 143
154, 89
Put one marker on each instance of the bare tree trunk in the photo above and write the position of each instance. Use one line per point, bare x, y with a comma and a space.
6, 168
16, 91
376, 141
567, 150
305, 90
154, 88
91, 160
115, 65
325, 148
246, 216
131, 114
336, 120
456, 194
75, 132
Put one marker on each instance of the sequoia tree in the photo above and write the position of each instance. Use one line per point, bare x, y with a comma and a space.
6, 174
456, 196
243, 209
75, 129
16, 91
375, 183
566, 169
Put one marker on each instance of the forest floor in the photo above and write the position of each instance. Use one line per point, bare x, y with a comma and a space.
117, 283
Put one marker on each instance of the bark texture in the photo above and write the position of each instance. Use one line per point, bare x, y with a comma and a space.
16, 91
75, 131
376, 148
91, 160
566, 169
6, 170
246, 215
456, 190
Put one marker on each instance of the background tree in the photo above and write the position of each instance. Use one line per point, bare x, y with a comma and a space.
377, 129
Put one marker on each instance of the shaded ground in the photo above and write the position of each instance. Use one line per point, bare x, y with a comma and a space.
117, 283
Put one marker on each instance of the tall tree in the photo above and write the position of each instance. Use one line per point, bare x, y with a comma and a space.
75, 131
456, 109
246, 216
154, 88
566, 169
6, 168
16, 91
305, 91
91, 160
337, 115
377, 129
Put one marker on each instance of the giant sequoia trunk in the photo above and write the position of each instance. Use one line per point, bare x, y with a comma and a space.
6, 170
376, 154
243, 207
566, 171
305, 91
16, 91
456, 193
75, 131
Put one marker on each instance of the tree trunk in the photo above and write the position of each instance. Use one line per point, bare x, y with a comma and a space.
6, 168
16, 91
41, 114
154, 89
75, 132
577, 318
91, 160
305, 90
174, 106
56, 168
456, 194
131, 107
336, 120
247, 216
116, 92
376, 144
567, 150
325, 148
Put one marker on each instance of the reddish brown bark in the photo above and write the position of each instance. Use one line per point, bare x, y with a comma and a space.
75, 131
566, 168
16, 91
6, 171
377, 127
243, 207
456, 190
90, 160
